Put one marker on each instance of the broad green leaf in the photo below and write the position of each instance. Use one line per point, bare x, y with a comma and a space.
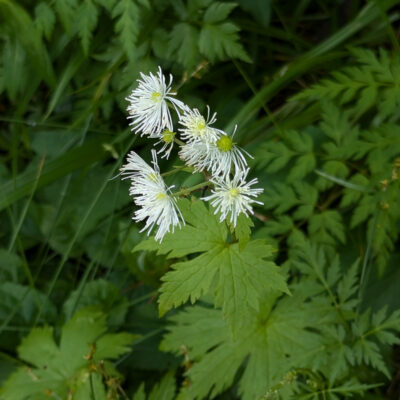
241, 275
274, 330
68, 367
202, 232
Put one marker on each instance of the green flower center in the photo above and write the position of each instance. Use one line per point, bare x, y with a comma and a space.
201, 125
168, 136
234, 192
161, 196
155, 96
225, 143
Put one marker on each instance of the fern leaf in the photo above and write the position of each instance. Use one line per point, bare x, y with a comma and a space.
127, 14
183, 42
218, 12
221, 41
66, 10
87, 21
44, 19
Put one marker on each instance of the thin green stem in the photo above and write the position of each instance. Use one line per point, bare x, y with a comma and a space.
174, 171
185, 192
179, 142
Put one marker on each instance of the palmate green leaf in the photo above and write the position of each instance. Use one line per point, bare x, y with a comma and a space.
278, 328
241, 275
65, 368
87, 21
221, 41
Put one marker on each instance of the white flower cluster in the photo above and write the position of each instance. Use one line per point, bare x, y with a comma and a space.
202, 146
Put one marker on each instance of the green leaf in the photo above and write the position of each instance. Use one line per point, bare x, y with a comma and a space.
87, 21
243, 230
14, 70
10, 266
67, 367
218, 12
220, 42
44, 19
274, 330
260, 10
99, 293
183, 43
68, 162
241, 276
20, 25
127, 13
66, 10
165, 390
327, 227
202, 232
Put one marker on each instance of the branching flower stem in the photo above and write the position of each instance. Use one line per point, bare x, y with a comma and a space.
185, 192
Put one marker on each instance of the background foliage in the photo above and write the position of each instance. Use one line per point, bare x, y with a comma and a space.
305, 308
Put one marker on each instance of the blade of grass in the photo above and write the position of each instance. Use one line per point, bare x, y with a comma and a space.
308, 61
25, 209
343, 182
80, 227
74, 159
21, 25
74, 63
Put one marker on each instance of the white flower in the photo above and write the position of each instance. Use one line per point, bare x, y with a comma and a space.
148, 105
196, 127
233, 196
218, 157
151, 194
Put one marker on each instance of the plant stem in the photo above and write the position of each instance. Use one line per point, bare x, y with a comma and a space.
174, 171
179, 142
185, 192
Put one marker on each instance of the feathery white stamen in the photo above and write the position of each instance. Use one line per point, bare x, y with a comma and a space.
152, 196
233, 196
218, 157
196, 127
148, 105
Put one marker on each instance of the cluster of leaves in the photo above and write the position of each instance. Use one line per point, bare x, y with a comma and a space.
301, 305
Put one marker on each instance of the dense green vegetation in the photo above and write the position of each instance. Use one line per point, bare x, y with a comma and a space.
300, 302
